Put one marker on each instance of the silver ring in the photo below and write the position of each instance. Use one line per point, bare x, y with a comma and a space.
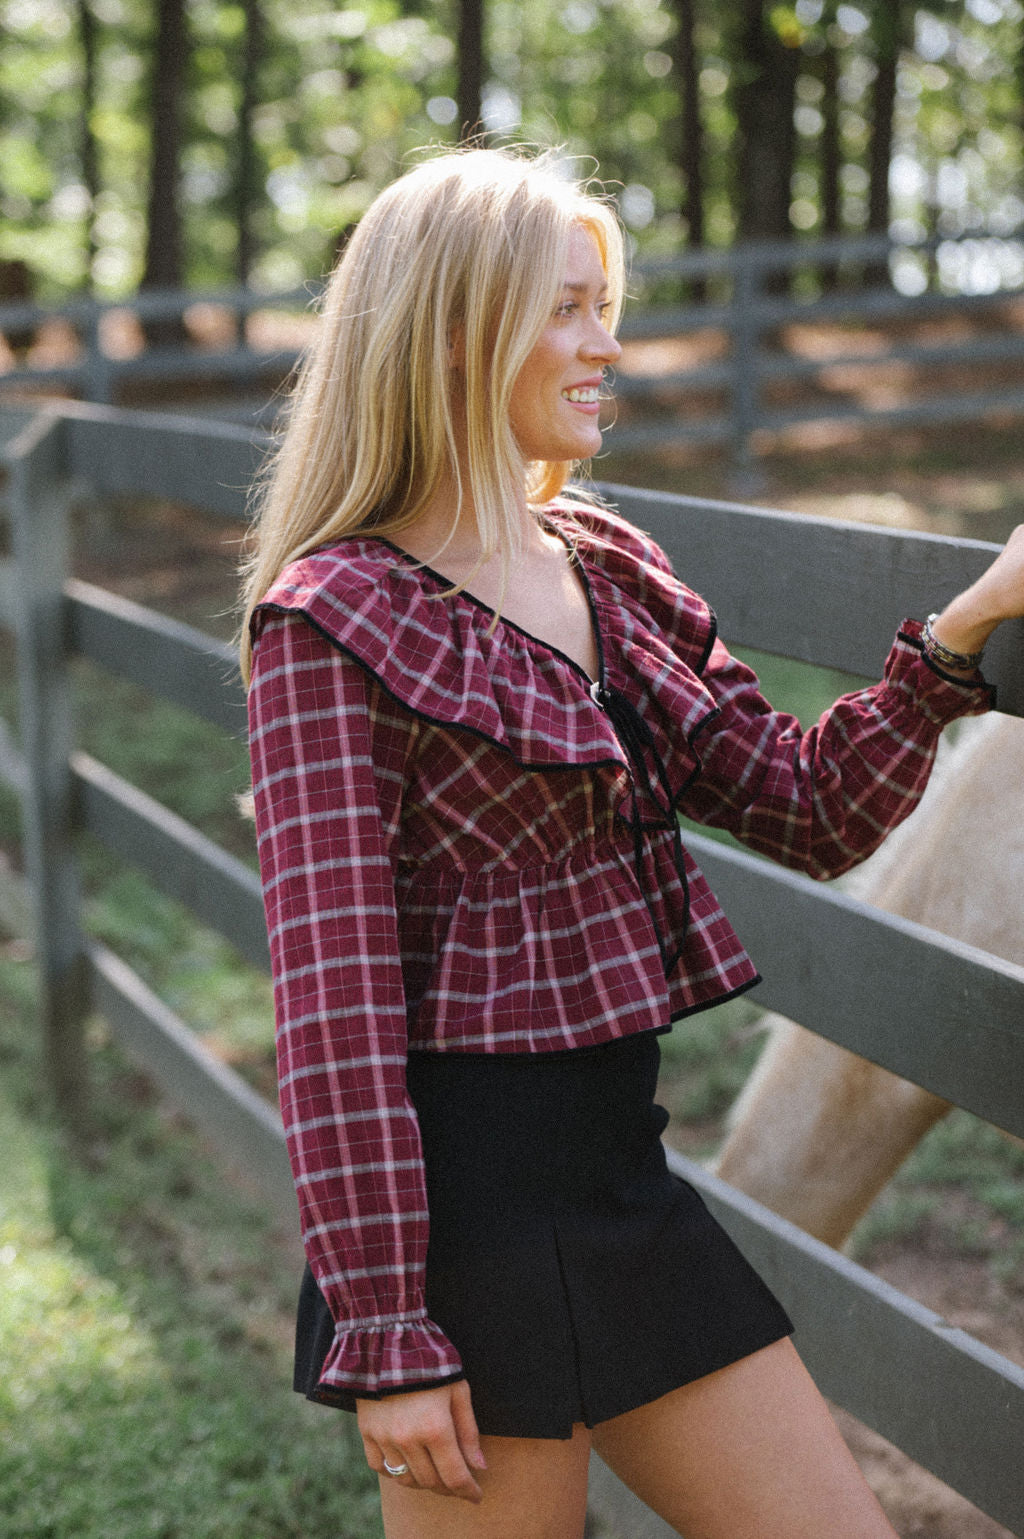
396, 1469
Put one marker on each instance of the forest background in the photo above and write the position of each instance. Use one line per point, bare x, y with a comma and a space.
167, 143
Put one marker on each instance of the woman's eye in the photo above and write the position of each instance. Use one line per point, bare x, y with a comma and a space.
570, 307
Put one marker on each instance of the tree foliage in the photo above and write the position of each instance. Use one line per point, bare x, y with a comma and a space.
711, 121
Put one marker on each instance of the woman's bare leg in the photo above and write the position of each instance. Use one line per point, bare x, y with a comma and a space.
534, 1488
750, 1452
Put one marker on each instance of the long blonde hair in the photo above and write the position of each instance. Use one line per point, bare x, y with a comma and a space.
470, 244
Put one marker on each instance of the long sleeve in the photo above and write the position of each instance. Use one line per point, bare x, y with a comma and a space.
328, 768
820, 801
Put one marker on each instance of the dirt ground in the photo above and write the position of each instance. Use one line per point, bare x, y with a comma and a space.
966, 1295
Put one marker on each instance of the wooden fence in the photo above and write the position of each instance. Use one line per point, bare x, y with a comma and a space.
878, 358
875, 345
97, 367
946, 1015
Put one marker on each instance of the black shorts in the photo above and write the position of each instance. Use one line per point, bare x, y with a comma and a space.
577, 1277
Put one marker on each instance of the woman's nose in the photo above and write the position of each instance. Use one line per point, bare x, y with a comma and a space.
600, 343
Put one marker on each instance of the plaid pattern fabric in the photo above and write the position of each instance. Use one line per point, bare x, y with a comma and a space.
464, 850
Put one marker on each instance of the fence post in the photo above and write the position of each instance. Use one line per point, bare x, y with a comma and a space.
39, 501
99, 372
746, 337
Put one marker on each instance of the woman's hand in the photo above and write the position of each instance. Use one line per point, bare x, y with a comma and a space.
433, 1431
969, 620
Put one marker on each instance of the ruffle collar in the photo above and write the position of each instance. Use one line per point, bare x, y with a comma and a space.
437, 655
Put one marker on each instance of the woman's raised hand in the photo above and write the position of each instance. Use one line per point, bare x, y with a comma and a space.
968, 621
430, 1431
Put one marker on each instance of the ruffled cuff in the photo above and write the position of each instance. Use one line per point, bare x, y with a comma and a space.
385, 1356
940, 696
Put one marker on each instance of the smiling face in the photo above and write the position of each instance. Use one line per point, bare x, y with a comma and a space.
553, 409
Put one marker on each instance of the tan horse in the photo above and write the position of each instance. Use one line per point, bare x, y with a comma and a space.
817, 1132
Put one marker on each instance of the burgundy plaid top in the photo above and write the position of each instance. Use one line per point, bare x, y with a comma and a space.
467, 845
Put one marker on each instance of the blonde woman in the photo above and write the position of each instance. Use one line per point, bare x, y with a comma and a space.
477, 706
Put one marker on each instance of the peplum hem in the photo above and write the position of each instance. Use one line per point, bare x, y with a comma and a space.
581, 989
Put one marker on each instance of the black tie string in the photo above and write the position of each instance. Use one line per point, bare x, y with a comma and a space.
638, 742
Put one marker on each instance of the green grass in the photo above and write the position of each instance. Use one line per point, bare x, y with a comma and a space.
228, 1003
197, 771
190, 766
144, 1321
961, 1192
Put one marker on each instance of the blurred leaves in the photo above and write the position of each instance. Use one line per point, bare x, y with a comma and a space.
345, 95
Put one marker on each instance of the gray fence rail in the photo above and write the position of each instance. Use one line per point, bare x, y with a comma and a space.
97, 369
943, 1014
756, 387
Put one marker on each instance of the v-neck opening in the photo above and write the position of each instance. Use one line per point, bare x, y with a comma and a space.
488, 609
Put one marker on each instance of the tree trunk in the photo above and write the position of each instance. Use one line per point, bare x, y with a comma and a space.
88, 148
245, 171
470, 65
764, 97
164, 266
831, 157
883, 105
691, 131
888, 25
1018, 77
